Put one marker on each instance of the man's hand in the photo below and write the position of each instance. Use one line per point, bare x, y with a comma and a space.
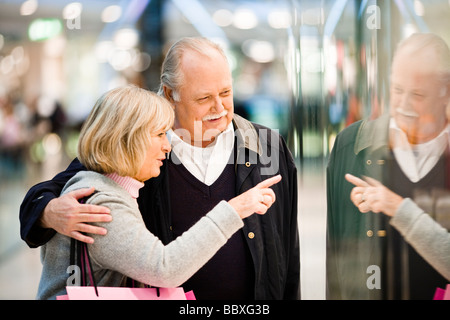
257, 199
372, 195
69, 217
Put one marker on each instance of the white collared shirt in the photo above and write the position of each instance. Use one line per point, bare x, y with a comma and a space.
206, 164
417, 160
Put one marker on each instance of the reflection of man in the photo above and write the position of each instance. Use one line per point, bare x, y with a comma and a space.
263, 261
407, 152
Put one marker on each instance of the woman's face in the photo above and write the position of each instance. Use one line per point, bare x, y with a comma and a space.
155, 156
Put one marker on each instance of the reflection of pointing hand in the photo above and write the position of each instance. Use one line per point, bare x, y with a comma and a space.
371, 195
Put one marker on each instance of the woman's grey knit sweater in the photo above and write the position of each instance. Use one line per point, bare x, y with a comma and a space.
129, 249
425, 235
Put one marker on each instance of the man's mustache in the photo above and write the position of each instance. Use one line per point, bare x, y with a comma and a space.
407, 113
215, 116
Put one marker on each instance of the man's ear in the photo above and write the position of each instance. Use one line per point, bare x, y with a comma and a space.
168, 94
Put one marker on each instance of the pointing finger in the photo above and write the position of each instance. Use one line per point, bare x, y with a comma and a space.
269, 182
356, 181
373, 182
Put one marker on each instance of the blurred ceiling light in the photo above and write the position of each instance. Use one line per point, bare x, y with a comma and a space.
259, 51
223, 17
45, 106
126, 38
141, 62
111, 13
72, 10
7, 64
279, 19
28, 7
419, 8
102, 50
120, 59
51, 143
18, 53
245, 19
408, 30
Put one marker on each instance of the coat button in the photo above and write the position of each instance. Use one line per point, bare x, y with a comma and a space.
247, 164
369, 233
251, 235
369, 162
381, 233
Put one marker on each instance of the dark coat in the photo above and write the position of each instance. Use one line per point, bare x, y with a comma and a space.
272, 238
353, 239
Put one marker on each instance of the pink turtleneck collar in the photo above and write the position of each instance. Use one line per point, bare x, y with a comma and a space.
130, 184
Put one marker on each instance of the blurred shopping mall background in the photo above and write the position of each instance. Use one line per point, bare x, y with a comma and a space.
305, 67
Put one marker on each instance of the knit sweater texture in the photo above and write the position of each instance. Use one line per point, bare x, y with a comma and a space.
425, 235
129, 249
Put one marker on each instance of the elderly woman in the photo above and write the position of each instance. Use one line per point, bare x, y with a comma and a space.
122, 144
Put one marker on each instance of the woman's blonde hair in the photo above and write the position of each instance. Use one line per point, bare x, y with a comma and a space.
117, 133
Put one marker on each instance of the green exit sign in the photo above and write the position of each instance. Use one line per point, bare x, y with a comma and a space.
43, 29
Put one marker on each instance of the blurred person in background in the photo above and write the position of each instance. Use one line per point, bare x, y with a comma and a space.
407, 151
216, 155
12, 137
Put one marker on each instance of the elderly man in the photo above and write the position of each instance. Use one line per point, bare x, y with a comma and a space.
216, 155
407, 151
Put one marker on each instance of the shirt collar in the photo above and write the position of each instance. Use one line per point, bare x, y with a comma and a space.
206, 164
246, 134
373, 134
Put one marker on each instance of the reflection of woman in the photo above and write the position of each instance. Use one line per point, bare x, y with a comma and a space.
122, 144
428, 237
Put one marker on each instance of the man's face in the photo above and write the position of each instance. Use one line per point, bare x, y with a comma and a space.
418, 98
205, 108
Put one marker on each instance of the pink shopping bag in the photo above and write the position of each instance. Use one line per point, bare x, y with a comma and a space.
442, 294
122, 293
